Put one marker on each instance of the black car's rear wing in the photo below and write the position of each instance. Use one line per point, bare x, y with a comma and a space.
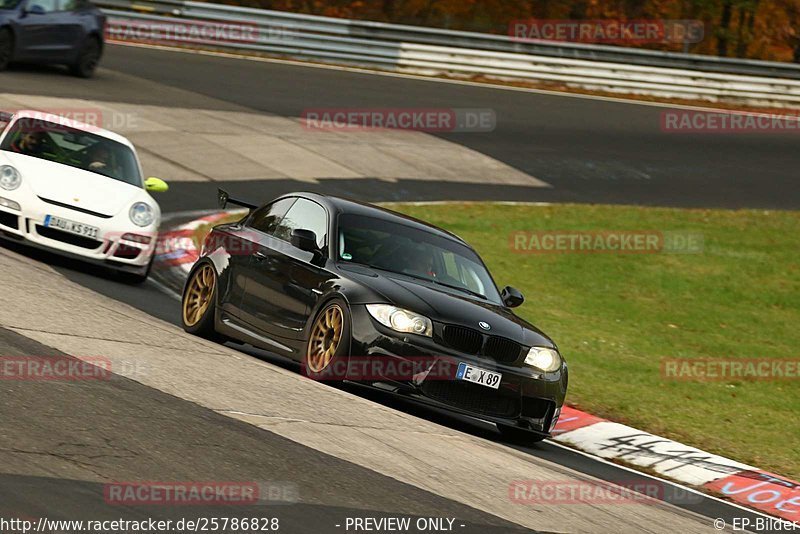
225, 199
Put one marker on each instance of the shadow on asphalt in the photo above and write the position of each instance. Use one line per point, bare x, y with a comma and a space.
147, 297
31, 68
446, 419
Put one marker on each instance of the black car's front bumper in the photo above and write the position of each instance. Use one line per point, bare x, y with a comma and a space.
525, 398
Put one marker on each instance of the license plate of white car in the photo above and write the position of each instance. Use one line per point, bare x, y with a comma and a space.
71, 227
476, 375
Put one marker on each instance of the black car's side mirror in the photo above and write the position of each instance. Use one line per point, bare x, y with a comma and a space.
512, 297
305, 240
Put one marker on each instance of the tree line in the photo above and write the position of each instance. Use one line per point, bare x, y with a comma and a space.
755, 29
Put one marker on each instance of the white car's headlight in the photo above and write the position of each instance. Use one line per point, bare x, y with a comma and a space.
142, 214
10, 178
543, 359
401, 320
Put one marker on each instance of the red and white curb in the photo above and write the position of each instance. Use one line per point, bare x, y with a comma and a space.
746, 485
177, 247
740, 483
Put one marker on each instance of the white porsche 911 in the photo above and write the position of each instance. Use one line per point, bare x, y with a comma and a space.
77, 190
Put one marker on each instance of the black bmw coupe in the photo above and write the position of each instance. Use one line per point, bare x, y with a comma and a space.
358, 293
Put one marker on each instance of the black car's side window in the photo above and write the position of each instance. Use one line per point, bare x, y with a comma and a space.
304, 215
46, 6
74, 5
267, 218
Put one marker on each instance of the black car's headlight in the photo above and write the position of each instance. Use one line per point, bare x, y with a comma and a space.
401, 320
544, 359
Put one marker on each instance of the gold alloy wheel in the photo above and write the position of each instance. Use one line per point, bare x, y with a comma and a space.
325, 337
198, 296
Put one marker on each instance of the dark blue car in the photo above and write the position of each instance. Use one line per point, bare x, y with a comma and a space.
64, 32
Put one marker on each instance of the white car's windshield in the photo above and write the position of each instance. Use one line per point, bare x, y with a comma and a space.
76, 148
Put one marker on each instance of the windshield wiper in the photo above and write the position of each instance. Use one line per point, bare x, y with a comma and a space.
457, 288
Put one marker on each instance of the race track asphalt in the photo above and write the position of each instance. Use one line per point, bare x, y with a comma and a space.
589, 150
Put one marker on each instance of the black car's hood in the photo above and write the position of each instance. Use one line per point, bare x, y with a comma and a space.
444, 305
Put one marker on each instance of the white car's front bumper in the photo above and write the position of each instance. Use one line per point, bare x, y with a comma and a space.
111, 248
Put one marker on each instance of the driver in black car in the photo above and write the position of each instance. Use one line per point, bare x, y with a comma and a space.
418, 261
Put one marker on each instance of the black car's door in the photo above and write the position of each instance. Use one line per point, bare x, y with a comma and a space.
308, 271
286, 282
258, 268
76, 21
40, 31
237, 242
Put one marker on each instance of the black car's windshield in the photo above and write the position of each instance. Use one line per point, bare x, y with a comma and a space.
76, 148
406, 250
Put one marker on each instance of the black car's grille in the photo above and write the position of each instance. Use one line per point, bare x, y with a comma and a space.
502, 349
66, 237
473, 342
471, 397
463, 339
9, 220
76, 208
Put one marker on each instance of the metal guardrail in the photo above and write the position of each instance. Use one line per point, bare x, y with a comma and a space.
435, 51
441, 37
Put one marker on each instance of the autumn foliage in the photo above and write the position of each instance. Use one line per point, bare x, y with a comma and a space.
757, 29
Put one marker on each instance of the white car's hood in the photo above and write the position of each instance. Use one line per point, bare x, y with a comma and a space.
75, 187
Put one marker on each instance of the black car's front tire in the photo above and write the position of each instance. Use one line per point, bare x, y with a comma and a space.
6, 48
519, 436
88, 58
199, 303
328, 343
